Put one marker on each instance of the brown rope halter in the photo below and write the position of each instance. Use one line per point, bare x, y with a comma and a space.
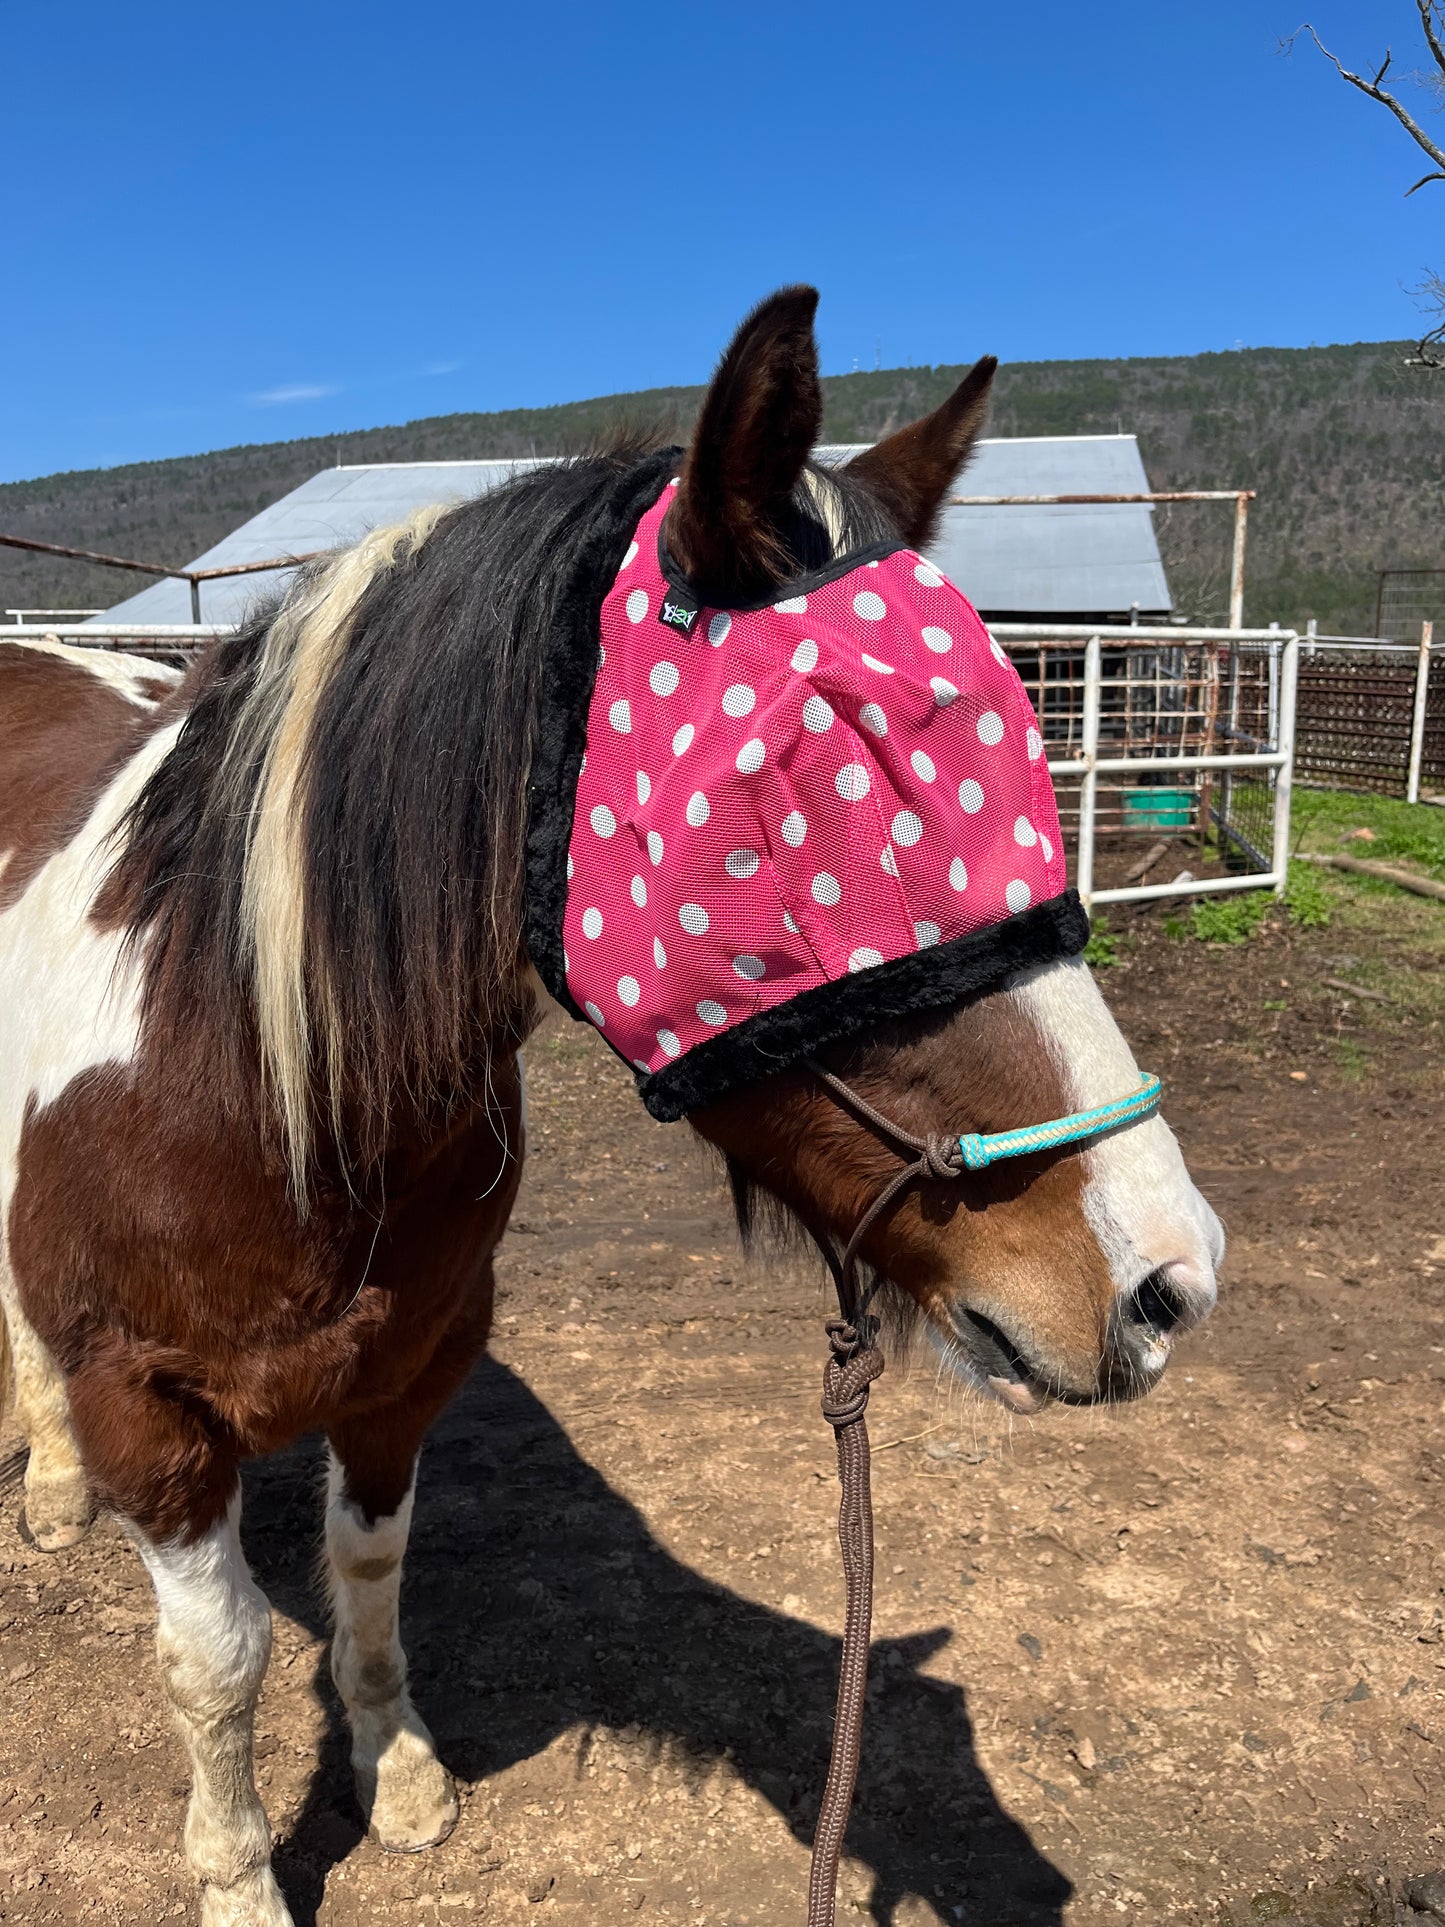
855, 1362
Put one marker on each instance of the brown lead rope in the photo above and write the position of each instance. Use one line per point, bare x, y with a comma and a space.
846, 1378
855, 1363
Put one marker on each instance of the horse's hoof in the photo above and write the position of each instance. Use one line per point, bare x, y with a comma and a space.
1426, 1891
51, 1522
253, 1901
414, 1805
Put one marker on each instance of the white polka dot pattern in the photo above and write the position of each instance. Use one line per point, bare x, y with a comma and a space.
791, 795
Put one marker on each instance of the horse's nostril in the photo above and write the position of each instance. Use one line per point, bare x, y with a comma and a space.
1155, 1306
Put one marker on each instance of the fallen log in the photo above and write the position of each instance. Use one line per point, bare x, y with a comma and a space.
1146, 862
1361, 866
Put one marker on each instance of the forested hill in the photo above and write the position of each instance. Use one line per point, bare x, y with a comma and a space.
1346, 446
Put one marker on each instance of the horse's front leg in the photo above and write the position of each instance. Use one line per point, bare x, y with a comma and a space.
213, 1641
405, 1792
57, 1498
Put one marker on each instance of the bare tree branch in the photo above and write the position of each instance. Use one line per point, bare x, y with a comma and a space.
1421, 182
1375, 91
1432, 36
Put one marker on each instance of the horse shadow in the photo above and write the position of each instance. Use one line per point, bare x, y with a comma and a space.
537, 1602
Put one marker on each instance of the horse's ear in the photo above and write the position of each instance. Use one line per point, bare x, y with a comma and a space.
759, 420
912, 471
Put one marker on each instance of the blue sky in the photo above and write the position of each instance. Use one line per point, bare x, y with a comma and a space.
246, 224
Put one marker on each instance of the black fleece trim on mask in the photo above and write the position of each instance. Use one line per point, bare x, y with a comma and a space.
569, 673
948, 973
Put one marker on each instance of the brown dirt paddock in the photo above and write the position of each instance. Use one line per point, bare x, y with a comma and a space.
1180, 1662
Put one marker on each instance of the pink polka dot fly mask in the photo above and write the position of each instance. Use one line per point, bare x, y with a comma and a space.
794, 821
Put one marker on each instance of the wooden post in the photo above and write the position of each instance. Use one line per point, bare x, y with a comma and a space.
1236, 566
1417, 721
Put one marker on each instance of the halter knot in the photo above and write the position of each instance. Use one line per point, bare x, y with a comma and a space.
941, 1157
846, 1379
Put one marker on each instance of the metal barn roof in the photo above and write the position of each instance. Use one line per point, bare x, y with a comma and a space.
1081, 561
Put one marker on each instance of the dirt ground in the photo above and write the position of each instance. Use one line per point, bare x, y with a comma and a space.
1178, 1662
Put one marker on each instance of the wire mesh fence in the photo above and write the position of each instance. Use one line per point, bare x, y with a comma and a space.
1404, 599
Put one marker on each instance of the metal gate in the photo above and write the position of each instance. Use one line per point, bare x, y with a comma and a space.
1165, 733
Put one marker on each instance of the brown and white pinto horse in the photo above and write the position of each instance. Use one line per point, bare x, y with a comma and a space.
263, 984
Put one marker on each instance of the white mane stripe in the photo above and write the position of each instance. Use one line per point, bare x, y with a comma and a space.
298, 658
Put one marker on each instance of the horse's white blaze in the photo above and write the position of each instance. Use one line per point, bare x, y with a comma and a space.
1140, 1201
213, 1641
70, 1002
127, 674
405, 1791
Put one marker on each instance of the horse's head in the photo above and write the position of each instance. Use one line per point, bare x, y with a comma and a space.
1068, 1272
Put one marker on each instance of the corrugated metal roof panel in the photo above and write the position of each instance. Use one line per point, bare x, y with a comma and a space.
1077, 560
1050, 561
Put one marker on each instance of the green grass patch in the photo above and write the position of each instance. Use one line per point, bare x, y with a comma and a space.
1307, 897
1235, 918
1102, 949
1232, 919
1321, 822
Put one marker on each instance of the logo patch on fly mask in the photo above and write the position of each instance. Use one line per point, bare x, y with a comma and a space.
678, 610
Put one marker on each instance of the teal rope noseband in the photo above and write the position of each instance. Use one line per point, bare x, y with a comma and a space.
950, 1157
979, 1150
